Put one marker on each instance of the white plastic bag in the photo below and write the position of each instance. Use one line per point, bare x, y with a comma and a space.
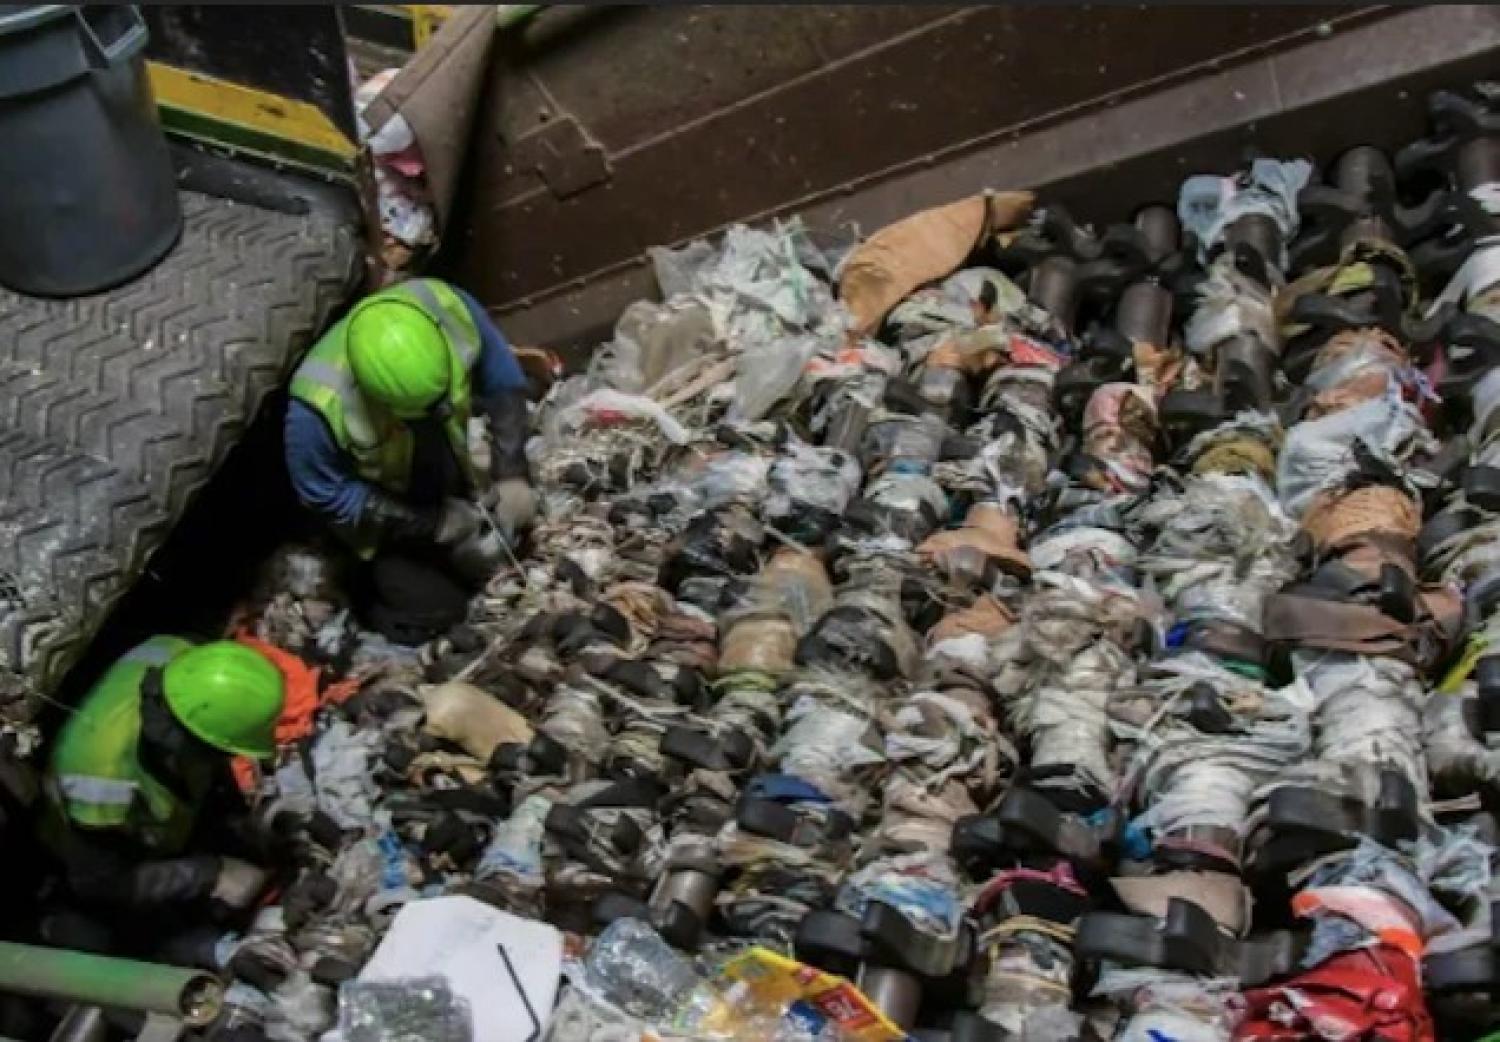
766, 373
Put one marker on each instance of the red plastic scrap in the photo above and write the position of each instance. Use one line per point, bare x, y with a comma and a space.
1025, 350
304, 690
1060, 875
305, 694
1371, 994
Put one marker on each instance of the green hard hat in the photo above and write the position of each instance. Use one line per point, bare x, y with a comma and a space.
399, 355
228, 695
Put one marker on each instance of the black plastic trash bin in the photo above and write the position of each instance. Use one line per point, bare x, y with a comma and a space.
89, 199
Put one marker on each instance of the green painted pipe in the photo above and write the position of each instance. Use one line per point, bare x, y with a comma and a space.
96, 980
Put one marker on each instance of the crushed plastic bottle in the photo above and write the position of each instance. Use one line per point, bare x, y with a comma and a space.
413, 1010
630, 965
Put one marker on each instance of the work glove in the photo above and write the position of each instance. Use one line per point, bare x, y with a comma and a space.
513, 502
238, 883
147, 883
392, 520
458, 522
396, 521
479, 556
509, 426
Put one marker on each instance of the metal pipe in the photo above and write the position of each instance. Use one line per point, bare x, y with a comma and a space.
1361, 169
1260, 233
97, 980
683, 902
1478, 163
692, 888
896, 993
1054, 287
1162, 231
81, 1024
1144, 313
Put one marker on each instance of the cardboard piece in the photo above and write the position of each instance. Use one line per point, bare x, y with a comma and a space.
929, 245
438, 93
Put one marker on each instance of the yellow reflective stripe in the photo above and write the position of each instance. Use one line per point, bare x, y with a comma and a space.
465, 345
103, 792
149, 654
324, 372
332, 378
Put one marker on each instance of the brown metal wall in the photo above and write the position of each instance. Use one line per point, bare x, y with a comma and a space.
607, 131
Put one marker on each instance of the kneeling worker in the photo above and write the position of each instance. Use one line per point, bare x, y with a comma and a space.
129, 776
377, 445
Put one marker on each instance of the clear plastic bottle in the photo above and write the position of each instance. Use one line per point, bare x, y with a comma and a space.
642, 974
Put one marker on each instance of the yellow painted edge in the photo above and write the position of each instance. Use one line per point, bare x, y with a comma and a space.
259, 110
426, 19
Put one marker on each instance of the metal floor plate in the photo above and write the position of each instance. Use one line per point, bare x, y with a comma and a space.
116, 408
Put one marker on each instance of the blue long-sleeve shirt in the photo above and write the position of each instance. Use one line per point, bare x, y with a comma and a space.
324, 476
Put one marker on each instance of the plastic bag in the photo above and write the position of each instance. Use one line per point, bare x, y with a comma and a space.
1067, 719
631, 966
1369, 711
515, 850
909, 494
1028, 980
864, 631
574, 718
755, 283
1479, 273
1353, 354
795, 585
905, 442
605, 408
766, 373
763, 269
1207, 203
1229, 303
1320, 454
923, 887
1180, 1010
374, 874
828, 747
731, 476
681, 271
665, 337
1486, 396
763, 643
810, 486
584, 1016
420, 1009
342, 759
300, 1009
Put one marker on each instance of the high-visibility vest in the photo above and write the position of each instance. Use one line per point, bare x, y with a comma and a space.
378, 442
95, 778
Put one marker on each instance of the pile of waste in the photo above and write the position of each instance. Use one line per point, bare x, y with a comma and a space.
993, 629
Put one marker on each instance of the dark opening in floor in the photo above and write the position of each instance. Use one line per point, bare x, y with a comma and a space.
211, 559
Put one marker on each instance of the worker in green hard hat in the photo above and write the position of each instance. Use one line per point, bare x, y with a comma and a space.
377, 444
132, 769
